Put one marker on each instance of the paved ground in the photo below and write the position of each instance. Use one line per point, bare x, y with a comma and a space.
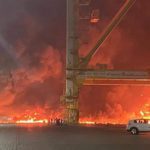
71, 138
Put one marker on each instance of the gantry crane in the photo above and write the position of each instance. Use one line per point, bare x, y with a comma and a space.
77, 71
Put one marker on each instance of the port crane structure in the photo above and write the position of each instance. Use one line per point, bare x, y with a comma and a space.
77, 71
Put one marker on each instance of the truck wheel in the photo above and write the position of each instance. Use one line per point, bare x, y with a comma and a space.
134, 131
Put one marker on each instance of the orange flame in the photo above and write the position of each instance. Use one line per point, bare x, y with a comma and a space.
37, 116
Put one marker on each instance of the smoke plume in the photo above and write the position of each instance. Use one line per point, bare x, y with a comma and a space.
32, 57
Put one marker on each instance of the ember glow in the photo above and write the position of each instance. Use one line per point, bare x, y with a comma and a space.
32, 121
38, 116
87, 122
120, 119
145, 112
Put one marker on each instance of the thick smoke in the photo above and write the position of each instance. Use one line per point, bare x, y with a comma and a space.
32, 46
126, 48
32, 56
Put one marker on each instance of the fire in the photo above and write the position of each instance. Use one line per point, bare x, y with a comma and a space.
141, 112
38, 80
87, 122
123, 119
32, 121
99, 121
95, 16
36, 117
145, 113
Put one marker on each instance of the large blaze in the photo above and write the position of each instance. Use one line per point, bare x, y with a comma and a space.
123, 103
37, 116
32, 58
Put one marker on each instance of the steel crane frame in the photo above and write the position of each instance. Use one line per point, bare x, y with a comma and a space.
77, 73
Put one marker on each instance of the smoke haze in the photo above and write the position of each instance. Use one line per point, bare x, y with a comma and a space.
32, 56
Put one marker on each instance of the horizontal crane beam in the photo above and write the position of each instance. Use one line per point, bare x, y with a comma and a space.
114, 74
114, 77
132, 82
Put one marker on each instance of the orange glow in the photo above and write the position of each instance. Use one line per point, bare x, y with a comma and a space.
87, 122
146, 117
32, 121
42, 117
38, 78
122, 119
145, 112
100, 121
94, 20
36, 117
141, 112
95, 16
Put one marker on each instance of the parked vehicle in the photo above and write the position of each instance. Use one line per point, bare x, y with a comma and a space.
138, 125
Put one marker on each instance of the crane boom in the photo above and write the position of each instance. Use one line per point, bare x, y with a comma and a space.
115, 21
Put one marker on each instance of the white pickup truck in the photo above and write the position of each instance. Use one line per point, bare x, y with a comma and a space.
138, 125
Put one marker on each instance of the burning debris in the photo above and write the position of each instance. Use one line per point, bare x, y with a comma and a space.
145, 112
36, 117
